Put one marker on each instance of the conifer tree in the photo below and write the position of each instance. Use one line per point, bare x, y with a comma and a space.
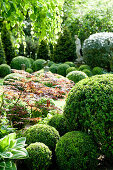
43, 52
7, 44
2, 53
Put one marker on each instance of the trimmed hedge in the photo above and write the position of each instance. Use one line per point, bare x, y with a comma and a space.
38, 64
76, 150
98, 49
71, 64
42, 133
87, 72
70, 69
59, 123
53, 68
97, 71
76, 76
89, 107
17, 62
4, 70
82, 67
29, 70
39, 156
62, 69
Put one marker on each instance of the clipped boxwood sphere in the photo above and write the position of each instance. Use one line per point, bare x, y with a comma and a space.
42, 133
59, 123
50, 63
31, 61
38, 64
97, 71
76, 76
71, 64
13, 77
4, 70
29, 70
76, 150
39, 156
89, 107
82, 67
53, 68
62, 69
17, 62
97, 49
70, 69
87, 72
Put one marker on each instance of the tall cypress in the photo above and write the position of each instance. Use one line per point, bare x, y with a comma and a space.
7, 44
2, 54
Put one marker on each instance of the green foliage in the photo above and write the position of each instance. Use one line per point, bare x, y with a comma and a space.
76, 76
13, 76
82, 67
38, 64
70, 69
83, 18
31, 47
7, 44
59, 123
87, 72
98, 50
4, 70
50, 63
29, 70
17, 62
2, 53
64, 50
71, 64
97, 71
10, 149
53, 68
39, 156
42, 133
21, 49
62, 69
43, 50
45, 23
89, 108
76, 150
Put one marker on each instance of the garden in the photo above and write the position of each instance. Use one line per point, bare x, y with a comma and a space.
56, 112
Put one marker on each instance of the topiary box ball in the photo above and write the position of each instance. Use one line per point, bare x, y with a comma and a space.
76, 76
89, 107
76, 151
39, 156
42, 133
4, 70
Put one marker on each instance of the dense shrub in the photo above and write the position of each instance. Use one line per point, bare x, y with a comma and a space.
62, 69
70, 69
31, 61
87, 72
76, 76
64, 50
7, 44
38, 64
42, 133
50, 63
98, 49
97, 70
14, 76
39, 156
4, 70
89, 108
76, 150
29, 70
17, 62
2, 53
59, 123
71, 64
53, 68
31, 47
82, 67
43, 50
21, 49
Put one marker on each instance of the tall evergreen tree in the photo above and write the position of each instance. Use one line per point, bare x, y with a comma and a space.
65, 48
2, 53
7, 44
43, 52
